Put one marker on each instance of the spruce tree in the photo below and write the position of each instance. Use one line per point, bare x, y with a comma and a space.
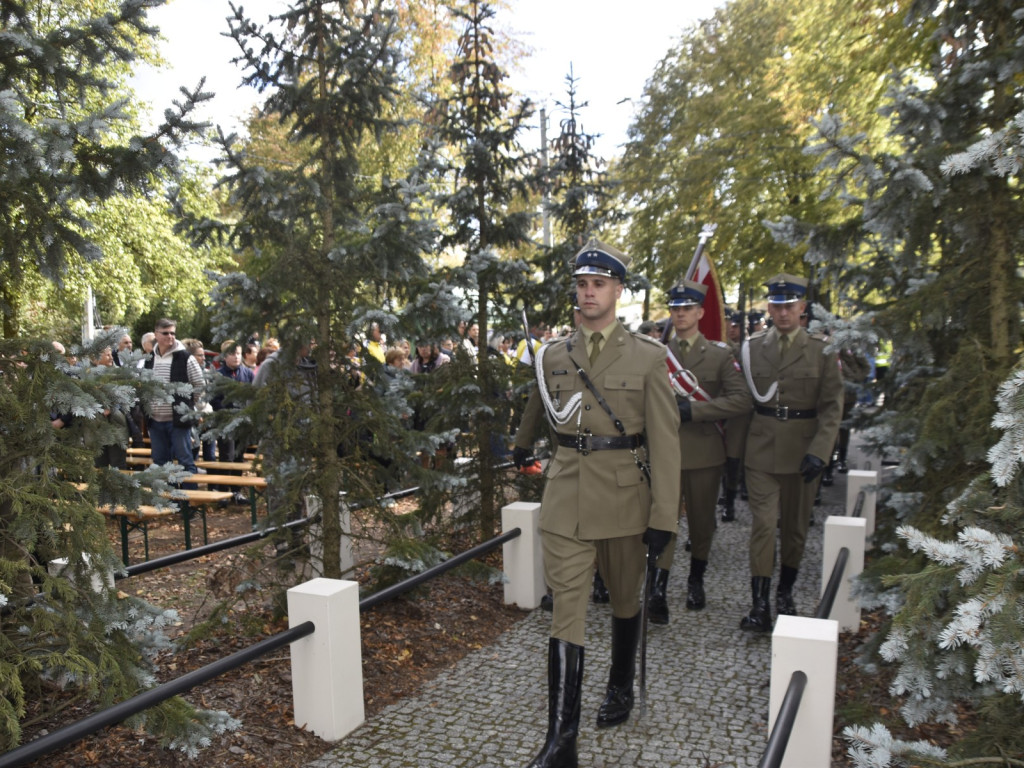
478, 125
929, 258
319, 232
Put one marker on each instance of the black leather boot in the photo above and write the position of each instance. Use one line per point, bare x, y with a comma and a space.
657, 602
600, 594
784, 605
618, 698
729, 508
760, 617
695, 599
565, 680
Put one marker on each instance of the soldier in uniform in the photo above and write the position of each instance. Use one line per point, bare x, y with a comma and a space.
612, 489
723, 394
735, 429
798, 402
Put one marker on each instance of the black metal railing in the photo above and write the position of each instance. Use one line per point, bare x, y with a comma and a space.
69, 734
779, 737
133, 706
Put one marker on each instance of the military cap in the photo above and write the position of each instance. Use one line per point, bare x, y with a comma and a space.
734, 316
596, 258
646, 327
786, 289
687, 294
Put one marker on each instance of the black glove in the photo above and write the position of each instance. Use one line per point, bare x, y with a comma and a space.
656, 542
811, 467
522, 457
685, 411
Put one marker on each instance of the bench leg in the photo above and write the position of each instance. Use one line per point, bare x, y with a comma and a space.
124, 539
186, 516
252, 505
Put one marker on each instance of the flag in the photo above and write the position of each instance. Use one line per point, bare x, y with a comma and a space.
712, 325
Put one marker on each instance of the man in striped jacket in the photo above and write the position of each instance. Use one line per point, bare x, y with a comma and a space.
170, 423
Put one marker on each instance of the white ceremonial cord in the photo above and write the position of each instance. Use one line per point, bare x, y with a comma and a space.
745, 354
558, 416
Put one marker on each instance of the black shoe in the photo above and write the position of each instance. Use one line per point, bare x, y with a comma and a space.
729, 510
565, 679
600, 593
547, 602
695, 599
826, 478
618, 698
841, 467
657, 602
240, 498
760, 617
689, 545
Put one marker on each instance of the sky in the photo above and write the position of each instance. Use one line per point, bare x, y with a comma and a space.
612, 47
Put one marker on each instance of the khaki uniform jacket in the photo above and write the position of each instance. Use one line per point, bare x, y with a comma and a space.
604, 494
718, 374
811, 379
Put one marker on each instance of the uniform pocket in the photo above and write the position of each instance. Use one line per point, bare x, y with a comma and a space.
624, 392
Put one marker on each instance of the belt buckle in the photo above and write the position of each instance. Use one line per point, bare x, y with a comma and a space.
782, 412
583, 444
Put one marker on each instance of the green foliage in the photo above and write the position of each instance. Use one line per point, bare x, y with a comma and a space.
70, 628
63, 141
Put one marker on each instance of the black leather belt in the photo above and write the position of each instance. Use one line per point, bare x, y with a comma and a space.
784, 412
585, 443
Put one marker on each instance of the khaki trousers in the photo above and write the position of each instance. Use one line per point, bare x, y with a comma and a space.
782, 502
699, 501
569, 571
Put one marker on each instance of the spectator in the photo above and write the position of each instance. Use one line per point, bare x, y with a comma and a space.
428, 357
373, 346
115, 453
250, 356
196, 348
228, 449
471, 340
170, 423
124, 350
147, 341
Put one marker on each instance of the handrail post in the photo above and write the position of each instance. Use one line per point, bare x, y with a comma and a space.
858, 480
327, 666
314, 535
844, 532
810, 646
523, 557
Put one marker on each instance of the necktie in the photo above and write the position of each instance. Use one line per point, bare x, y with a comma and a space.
595, 346
784, 347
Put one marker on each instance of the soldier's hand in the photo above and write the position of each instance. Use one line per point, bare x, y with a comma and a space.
811, 467
685, 411
522, 457
656, 542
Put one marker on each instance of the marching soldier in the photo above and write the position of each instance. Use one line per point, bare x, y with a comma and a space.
722, 394
798, 401
735, 430
612, 490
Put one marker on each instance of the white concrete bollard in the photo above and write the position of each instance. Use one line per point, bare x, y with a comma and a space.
98, 579
866, 480
844, 532
523, 556
811, 646
314, 535
327, 666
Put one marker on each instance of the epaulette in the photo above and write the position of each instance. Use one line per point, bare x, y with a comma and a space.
818, 337
645, 337
758, 335
720, 344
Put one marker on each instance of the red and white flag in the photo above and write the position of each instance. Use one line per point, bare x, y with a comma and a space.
712, 325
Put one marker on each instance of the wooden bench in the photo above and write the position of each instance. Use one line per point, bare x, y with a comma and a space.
134, 520
253, 483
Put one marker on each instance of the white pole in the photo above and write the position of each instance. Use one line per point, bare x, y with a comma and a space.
523, 556
327, 666
856, 481
811, 646
844, 532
